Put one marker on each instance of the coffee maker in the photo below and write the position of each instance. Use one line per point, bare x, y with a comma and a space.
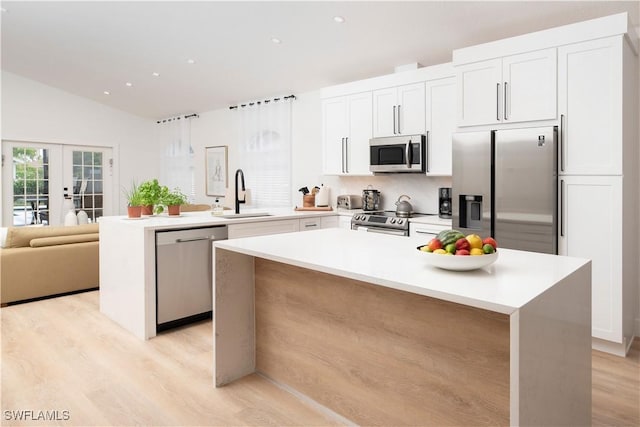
444, 202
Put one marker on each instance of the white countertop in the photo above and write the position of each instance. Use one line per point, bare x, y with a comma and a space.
516, 278
205, 218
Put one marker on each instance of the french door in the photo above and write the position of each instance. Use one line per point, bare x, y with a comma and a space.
36, 177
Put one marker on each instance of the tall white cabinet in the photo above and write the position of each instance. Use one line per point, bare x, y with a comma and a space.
597, 100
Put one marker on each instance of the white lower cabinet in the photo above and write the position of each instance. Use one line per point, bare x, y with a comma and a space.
591, 226
263, 228
344, 221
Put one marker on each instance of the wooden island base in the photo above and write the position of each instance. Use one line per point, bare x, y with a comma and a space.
397, 343
352, 347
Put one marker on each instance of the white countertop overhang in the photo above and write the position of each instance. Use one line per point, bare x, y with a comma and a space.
515, 279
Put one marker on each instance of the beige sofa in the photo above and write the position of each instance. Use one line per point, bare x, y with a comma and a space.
44, 261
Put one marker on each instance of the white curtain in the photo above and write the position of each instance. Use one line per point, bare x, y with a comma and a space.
176, 163
265, 151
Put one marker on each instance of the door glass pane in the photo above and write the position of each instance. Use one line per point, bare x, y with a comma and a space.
86, 194
30, 186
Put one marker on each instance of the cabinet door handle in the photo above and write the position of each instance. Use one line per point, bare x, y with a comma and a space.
562, 208
346, 154
342, 155
498, 101
315, 224
562, 142
506, 90
394, 120
426, 155
399, 131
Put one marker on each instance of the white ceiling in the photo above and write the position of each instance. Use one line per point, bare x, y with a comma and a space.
88, 47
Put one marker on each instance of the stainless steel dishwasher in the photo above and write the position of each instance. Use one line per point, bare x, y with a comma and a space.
184, 275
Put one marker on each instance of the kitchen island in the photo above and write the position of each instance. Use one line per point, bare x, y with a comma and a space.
361, 325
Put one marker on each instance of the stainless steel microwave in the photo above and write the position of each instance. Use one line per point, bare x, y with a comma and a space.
403, 153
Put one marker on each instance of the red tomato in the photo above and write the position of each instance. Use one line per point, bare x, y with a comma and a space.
434, 244
490, 241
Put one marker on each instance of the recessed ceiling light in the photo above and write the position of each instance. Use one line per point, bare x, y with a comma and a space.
276, 40
338, 19
191, 61
154, 74
128, 84
106, 92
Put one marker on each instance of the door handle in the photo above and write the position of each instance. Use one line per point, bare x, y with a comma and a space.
408, 153
562, 208
498, 101
426, 157
562, 142
342, 155
346, 154
506, 90
394, 120
197, 239
399, 130
311, 225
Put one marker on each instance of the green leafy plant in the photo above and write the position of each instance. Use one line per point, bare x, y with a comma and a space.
173, 197
133, 195
150, 192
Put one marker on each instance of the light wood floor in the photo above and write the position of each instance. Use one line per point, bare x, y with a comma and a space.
62, 354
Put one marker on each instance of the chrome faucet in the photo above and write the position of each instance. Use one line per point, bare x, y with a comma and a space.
239, 172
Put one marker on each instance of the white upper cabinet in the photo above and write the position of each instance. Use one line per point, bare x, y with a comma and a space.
590, 106
440, 125
516, 88
346, 130
399, 110
529, 89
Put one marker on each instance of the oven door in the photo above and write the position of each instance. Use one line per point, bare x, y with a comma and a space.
381, 230
397, 154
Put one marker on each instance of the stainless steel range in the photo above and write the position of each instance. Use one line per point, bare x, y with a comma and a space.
386, 222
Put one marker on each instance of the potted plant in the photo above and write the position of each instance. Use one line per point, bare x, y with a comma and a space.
134, 201
172, 200
150, 194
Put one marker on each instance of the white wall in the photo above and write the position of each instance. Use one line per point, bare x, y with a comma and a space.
35, 112
219, 127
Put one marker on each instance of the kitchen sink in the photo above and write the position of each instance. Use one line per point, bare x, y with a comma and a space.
244, 215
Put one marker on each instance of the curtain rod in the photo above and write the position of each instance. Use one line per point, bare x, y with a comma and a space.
266, 101
188, 116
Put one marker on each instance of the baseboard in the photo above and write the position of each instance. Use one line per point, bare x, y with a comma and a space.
617, 349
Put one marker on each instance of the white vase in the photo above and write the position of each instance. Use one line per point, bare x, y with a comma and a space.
70, 218
83, 218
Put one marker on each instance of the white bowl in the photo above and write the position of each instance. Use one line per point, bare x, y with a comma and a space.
459, 262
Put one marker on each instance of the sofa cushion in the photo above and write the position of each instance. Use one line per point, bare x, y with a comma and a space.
63, 240
19, 237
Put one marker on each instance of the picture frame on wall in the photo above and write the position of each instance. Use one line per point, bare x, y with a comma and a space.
216, 167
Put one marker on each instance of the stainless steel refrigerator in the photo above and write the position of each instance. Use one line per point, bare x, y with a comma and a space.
505, 186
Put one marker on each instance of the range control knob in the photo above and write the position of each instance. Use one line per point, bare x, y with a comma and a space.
400, 221
393, 220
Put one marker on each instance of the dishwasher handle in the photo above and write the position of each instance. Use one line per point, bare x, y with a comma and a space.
197, 239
